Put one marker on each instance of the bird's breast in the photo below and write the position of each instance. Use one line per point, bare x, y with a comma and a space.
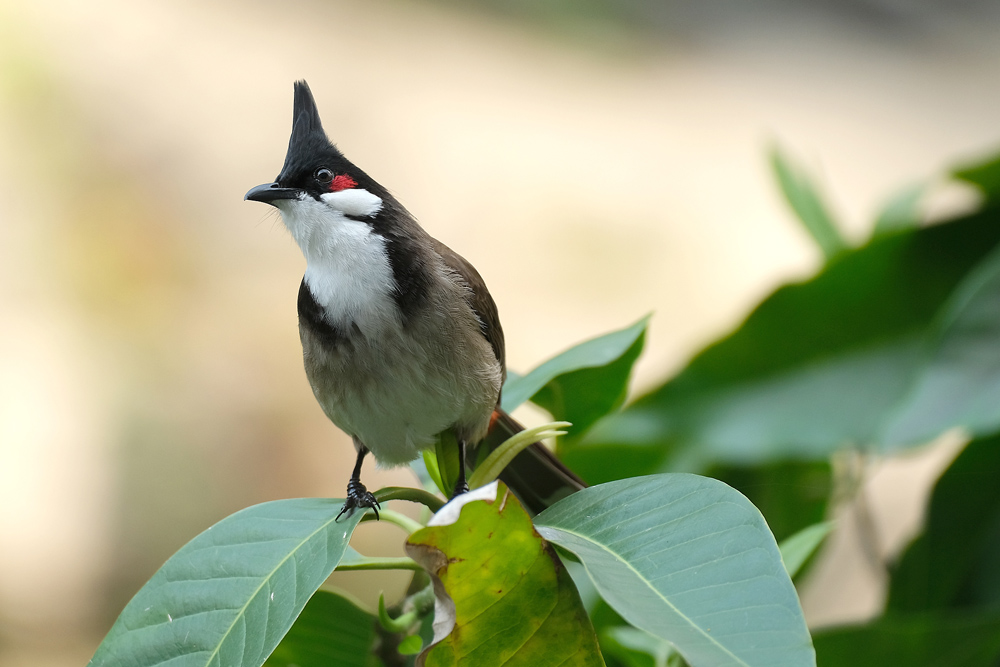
393, 350
397, 390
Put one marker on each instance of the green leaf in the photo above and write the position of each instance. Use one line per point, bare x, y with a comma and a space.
627, 444
637, 648
817, 365
956, 561
959, 379
690, 560
332, 631
804, 199
790, 494
230, 594
902, 211
934, 639
584, 383
431, 465
985, 175
448, 463
514, 604
797, 549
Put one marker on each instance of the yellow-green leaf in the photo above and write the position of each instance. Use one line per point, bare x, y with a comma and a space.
501, 589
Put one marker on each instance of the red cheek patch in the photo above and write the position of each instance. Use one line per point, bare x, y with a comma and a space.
342, 182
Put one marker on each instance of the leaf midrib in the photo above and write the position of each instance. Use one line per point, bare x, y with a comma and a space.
649, 585
256, 592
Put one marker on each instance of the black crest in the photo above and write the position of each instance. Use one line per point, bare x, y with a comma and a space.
308, 144
305, 117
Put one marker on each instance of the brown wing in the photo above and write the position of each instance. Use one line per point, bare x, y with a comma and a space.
479, 300
535, 475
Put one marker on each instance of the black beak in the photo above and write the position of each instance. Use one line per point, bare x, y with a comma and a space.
268, 193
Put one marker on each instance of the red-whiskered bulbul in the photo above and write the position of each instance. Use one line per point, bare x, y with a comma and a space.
400, 337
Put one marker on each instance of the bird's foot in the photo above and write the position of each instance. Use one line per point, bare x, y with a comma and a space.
460, 488
359, 497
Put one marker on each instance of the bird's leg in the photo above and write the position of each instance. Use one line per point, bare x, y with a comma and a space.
357, 494
461, 486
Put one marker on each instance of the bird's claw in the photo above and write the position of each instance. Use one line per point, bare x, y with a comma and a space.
359, 497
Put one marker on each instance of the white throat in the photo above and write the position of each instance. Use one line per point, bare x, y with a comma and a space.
347, 263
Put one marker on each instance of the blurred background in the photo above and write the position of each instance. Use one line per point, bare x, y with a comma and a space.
595, 160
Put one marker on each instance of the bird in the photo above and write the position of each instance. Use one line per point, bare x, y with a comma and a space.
401, 339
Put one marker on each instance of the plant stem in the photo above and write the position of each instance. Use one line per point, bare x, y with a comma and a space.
401, 520
376, 563
413, 495
490, 469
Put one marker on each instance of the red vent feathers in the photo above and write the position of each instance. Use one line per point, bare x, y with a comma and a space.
342, 182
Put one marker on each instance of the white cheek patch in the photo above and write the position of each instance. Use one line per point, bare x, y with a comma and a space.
354, 201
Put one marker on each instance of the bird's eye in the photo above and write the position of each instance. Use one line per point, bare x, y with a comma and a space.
324, 175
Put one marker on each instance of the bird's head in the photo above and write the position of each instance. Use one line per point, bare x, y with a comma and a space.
317, 186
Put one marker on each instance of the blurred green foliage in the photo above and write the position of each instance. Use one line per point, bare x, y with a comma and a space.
803, 197
891, 345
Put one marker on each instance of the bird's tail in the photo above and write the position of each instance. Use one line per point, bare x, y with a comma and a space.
536, 476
